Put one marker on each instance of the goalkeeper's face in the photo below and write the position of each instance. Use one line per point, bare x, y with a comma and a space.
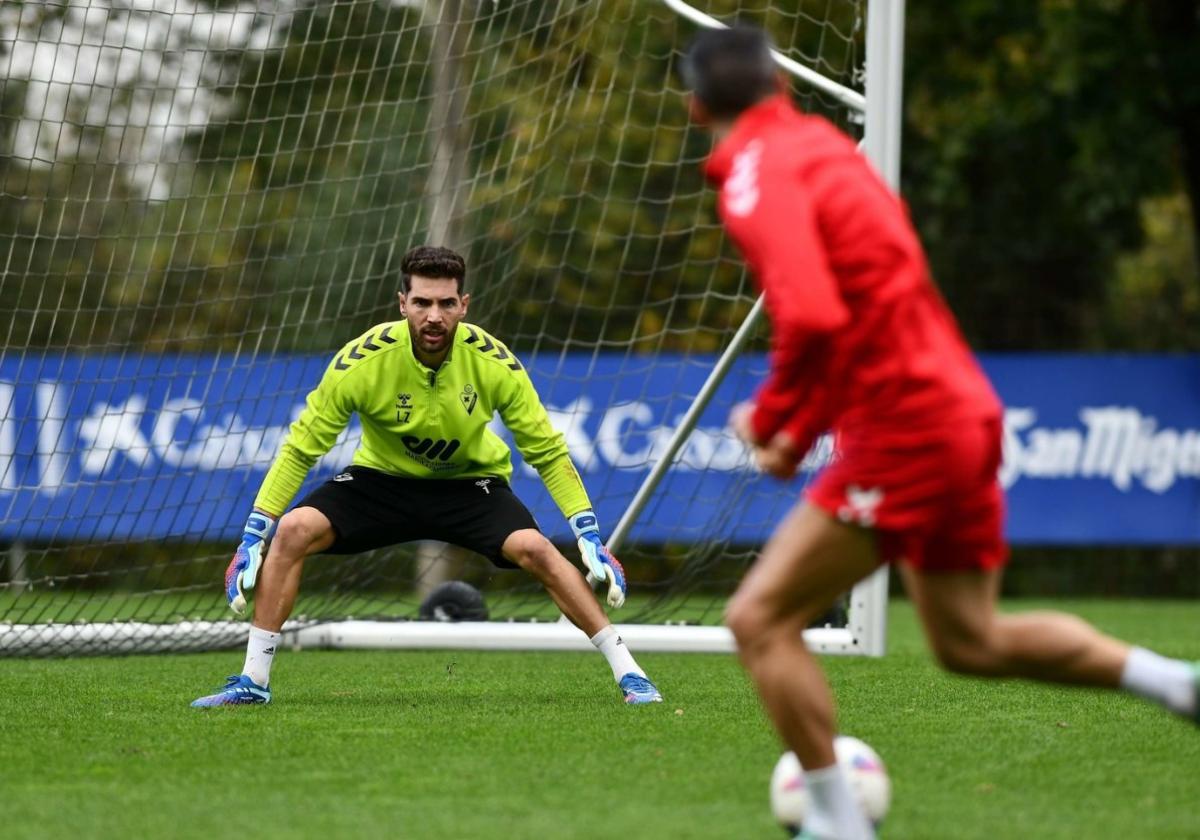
433, 307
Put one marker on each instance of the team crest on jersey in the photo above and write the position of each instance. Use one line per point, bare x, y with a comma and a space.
861, 505
468, 398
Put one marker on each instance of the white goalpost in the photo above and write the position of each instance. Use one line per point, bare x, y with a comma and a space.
201, 201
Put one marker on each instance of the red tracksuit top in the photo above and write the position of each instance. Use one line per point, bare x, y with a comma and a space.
862, 342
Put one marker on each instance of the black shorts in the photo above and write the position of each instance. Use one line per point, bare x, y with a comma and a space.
371, 509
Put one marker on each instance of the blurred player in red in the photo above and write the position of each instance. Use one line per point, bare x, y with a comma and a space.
864, 345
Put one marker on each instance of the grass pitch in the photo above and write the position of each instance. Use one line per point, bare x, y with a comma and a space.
499, 745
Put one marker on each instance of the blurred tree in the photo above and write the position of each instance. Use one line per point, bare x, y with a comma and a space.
1034, 134
1049, 150
599, 214
1175, 50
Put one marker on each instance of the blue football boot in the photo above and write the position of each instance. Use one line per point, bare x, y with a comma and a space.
239, 690
638, 689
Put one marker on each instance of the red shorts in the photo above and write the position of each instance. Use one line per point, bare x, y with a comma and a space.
934, 499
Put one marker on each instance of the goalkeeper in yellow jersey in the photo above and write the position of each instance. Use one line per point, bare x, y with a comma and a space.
425, 389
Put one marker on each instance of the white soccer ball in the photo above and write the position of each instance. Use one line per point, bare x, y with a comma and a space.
863, 768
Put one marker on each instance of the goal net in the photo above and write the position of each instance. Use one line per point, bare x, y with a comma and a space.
201, 201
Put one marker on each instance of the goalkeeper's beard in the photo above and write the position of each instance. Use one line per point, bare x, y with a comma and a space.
432, 342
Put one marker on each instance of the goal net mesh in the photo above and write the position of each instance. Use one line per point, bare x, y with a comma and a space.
201, 201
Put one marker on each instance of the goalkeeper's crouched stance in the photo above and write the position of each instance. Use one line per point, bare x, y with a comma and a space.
425, 389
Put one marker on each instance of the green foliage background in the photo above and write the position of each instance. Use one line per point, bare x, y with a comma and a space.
1048, 159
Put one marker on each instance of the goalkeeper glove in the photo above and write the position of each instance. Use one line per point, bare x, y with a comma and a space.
597, 559
243, 568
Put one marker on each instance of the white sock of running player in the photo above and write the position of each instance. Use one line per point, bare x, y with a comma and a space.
608, 642
1169, 682
832, 808
260, 653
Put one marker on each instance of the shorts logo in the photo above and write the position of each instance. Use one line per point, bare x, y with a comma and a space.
343, 477
483, 485
428, 449
468, 398
861, 505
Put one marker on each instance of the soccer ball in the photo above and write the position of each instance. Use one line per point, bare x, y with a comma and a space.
863, 768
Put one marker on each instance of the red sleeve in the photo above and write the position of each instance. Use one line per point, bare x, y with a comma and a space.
782, 242
807, 424
793, 386
794, 399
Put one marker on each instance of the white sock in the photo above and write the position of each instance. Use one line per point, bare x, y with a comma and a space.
833, 811
619, 658
260, 653
1170, 682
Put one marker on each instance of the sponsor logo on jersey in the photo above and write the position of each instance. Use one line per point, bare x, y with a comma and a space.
468, 398
741, 187
429, 451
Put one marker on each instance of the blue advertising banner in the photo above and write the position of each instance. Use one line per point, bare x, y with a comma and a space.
1098, 449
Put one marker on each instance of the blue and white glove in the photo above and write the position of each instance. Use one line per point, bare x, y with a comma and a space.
243, 568
601, 565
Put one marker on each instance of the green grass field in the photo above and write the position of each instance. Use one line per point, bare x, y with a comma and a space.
513, 745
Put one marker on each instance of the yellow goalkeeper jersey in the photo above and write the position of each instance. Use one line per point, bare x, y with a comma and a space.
424, 423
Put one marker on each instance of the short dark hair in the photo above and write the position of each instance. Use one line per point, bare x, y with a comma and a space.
730, 69
433, 262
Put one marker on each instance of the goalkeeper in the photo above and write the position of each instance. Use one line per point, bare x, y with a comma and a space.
428, 467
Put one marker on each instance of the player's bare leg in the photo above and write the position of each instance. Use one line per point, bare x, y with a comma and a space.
530, 550
810, 560
301, 532
969, 636
566, 585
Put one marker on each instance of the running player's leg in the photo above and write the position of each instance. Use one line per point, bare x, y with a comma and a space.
810, 560
968, 635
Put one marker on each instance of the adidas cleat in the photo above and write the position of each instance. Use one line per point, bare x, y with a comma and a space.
239, 690
639, 690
